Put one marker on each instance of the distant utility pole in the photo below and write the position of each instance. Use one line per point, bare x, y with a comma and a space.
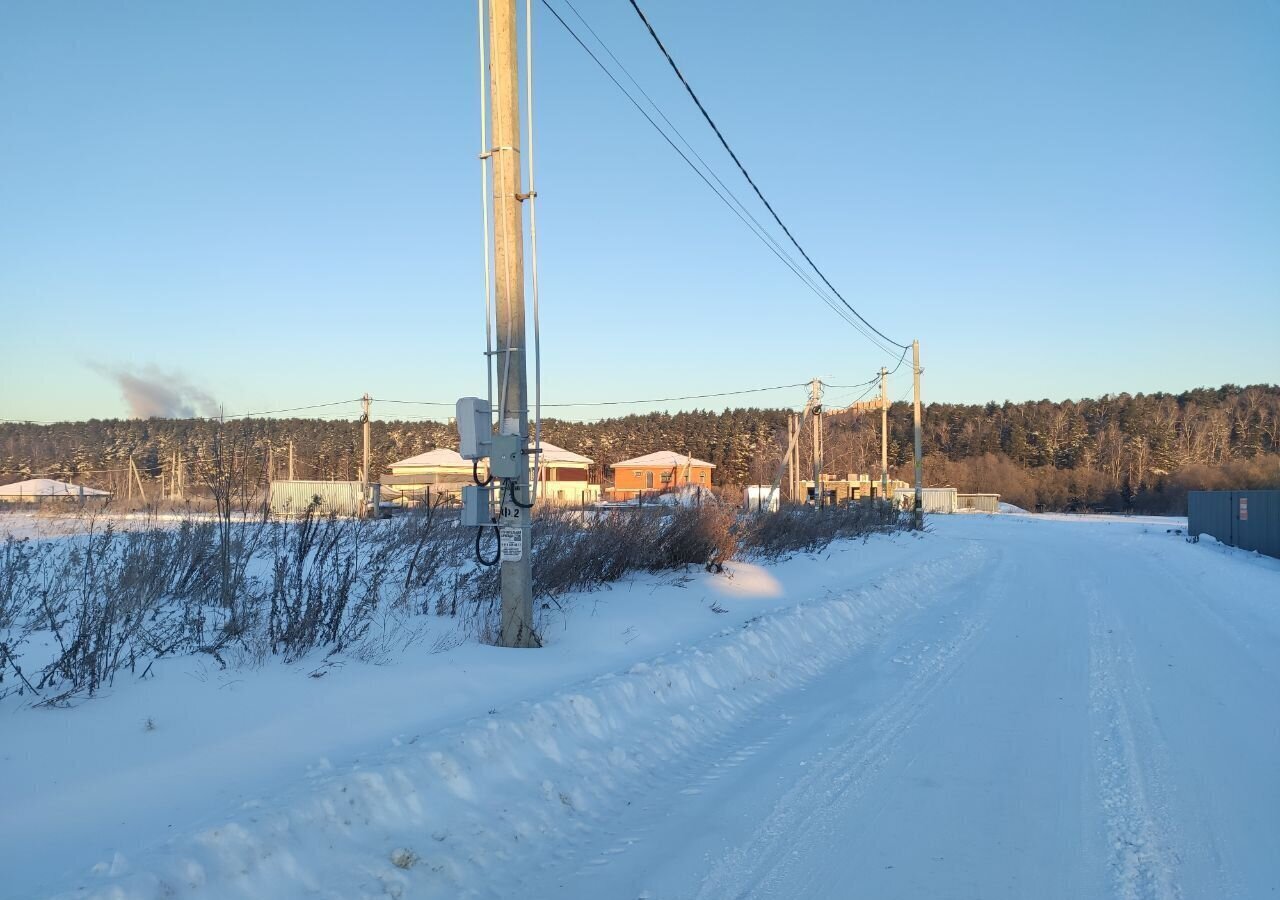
291, 459
508, 260
815, 403
133, 470
364, 464
791, 461
915, 376
884, 433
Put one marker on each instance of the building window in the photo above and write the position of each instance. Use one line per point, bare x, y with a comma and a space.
638, 474
702, 476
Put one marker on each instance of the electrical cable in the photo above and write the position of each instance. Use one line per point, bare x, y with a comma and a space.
509, 488
776, 387
702, 109
761, 235
762, 231
497, 552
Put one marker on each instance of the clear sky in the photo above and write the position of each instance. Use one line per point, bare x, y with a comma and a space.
277, 204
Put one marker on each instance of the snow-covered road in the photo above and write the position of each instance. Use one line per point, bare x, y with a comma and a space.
1009, 707
1095, 714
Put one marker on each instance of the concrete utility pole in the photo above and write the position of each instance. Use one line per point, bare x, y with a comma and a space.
815, 403
884, 433
291, 459
915, 377
508, 260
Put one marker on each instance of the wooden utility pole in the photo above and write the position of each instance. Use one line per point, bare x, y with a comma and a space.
291, 459
815, 404
364, 421
516, 625
791, 468
133, 469
884, 433
915, 377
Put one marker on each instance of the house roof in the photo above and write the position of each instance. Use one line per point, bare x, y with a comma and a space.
450, 459
441, 457
664, 459
553, 454
47, 487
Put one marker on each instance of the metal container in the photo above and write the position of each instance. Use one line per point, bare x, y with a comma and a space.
932, 500
987, 503
294, 498
1249, 520
760, 498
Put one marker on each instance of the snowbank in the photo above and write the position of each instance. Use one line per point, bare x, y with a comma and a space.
435, 809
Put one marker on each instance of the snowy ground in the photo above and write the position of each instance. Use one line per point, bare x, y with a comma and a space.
1012, 706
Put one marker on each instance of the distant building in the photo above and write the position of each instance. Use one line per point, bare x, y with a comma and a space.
563, 477
38, 490
428, 476
851, 487
658, 472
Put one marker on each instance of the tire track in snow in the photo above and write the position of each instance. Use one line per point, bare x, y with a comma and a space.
765, 865
1127, 752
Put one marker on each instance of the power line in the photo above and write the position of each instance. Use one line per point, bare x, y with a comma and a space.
274, 412
852, 387
759, 390
745, 174
761, 234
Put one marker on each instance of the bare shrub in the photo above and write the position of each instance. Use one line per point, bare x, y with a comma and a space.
803, 529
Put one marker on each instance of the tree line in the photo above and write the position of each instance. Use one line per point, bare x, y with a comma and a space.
1138, 452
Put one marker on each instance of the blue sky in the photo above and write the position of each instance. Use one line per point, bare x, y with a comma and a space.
277, 204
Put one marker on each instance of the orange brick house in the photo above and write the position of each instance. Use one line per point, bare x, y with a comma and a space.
658, 472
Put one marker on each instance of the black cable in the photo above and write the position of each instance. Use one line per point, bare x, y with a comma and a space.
497, 553
475, 474
741, 168
509, 487
794, 267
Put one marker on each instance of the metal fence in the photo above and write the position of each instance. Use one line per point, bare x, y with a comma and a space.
294, 498
1249, 520
987, 503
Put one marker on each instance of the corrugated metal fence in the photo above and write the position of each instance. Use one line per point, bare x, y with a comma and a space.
293, 498
1249, 520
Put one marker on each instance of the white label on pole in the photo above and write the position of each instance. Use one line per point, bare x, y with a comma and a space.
512, 544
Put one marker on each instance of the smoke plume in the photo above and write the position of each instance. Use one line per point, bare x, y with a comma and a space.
150, 392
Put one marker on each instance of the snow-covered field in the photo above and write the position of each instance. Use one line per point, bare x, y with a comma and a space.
1010, 706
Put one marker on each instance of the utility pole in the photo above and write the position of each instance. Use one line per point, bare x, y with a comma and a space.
791, 468
915, 377
133, 469
884, 433
508, 260
364, 419
291, 459
815, 403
